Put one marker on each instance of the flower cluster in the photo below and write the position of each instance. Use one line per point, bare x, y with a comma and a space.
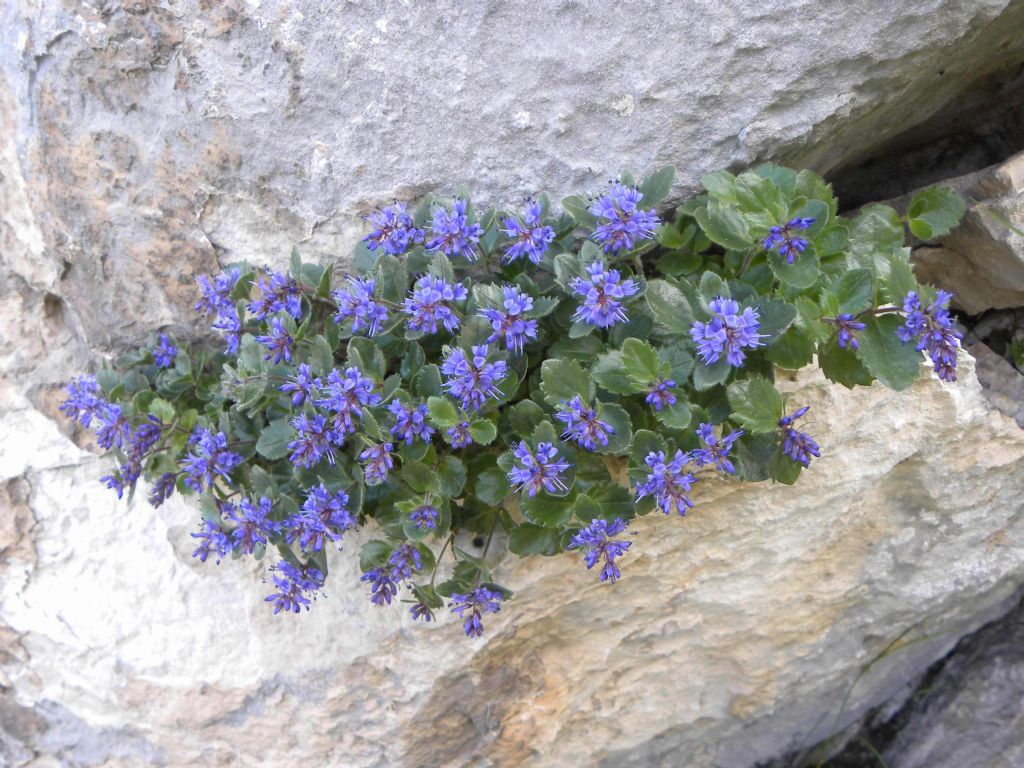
477, 603
216, 300
727, 333
597, 544
530, 239
603, 291
510, 322
933, 328
453, 234
358, 302
431, 303
548, 375
582, 425
471, 378
542, 469
782, 239
393, 231
623, 222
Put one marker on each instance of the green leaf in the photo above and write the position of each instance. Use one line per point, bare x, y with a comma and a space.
842, 365
451, 476
783, 469
162, 409
617, 417
809, 319
365, 354
679, 361
721, 185
782, 177
669, 307
323, 286
274, 439
524, 416
321, 360
549, 511
578, 207
712, 286
645, 442
756, 404
792, 350
609, 371
802, 273
374, 554
724, 225
707, 376
759, 200
676, 416
934, 212
419, 477
483, 431
641, 362
605, 501
900, 280
895, 364
491, 486
564, 379
656, 187
428, 380
853, 290
529, 539
776, 317
443, 412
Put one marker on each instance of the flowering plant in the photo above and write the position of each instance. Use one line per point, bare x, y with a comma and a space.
550, 375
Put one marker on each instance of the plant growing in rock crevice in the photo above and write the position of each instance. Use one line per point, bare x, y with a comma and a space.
499, 371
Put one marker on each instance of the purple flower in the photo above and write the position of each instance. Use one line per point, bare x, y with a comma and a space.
624, 224
113, 428
345, 396
410, 423
378, 462
668, 482
293, 583
511, 323
425, 517
404, 560
254, 525
715, 450
430, 304
421, 611
315, 441
847, 326
529, 238
472, 379
597, 543
394, 231
582, 424
231, 326
382, 586
278, 341
324, 516
541, 470
209, 458
164, 352
137, 445
728, 332
660, 395
85, 400
459, 435
603, 291
214, 539
162, 489
452, 234
216, 294
938, 337
479, 602
278, 293
302, 385
781, 238
358, 302
797, 445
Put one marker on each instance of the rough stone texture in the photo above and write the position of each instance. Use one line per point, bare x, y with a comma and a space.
141, 143
983, 259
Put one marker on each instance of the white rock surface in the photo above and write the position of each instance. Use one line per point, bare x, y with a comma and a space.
140, 143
